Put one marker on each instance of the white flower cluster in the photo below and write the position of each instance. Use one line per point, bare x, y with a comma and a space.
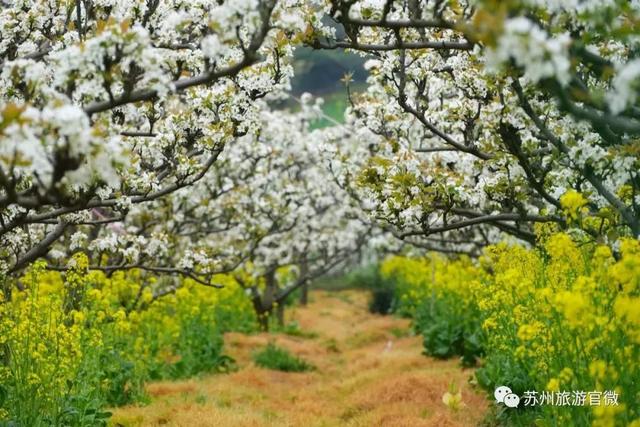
531, 48
97, 108
625, 86
39, 137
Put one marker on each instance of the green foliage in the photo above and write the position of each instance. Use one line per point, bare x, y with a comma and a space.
428, 291
122, 380
64, 358
199, 348
447, 332
383, 290
381, 300
279, 359
293, 298
363, 277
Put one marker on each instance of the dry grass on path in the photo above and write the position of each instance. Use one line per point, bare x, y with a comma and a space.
366, 376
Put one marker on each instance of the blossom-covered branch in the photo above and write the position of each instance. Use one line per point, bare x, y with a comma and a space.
493, 116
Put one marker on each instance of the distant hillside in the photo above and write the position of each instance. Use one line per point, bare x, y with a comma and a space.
321, 72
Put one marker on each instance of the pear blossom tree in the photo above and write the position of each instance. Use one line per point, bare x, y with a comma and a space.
483, 118
268, 212
108, 105
143, 132
308, 225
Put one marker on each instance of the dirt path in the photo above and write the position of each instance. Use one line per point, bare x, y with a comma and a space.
368, 374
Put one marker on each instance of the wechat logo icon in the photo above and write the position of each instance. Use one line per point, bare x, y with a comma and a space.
503, 394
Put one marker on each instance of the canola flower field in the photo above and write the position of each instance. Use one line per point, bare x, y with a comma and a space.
564, 317
559, 318
74, 345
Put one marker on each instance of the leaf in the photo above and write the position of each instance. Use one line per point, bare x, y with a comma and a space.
11, 113
104, 415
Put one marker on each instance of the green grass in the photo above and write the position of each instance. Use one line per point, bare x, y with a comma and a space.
401, 332
293, 329
336, 282
279, 359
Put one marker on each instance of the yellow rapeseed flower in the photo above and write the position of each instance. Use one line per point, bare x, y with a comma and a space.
573, 204
553, 385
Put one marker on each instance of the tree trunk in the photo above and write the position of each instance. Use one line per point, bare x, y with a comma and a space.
263, 321
270, 290
280, 313
263, 304
7, 288
304, 289
262, 315
304, 293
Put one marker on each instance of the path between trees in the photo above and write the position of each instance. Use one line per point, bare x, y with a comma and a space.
370, 373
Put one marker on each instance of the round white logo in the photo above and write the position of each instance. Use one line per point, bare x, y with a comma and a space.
511, 400
501, 392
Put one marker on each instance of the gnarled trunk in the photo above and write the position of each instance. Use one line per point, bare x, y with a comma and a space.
304, 289
264, 304
304, 293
